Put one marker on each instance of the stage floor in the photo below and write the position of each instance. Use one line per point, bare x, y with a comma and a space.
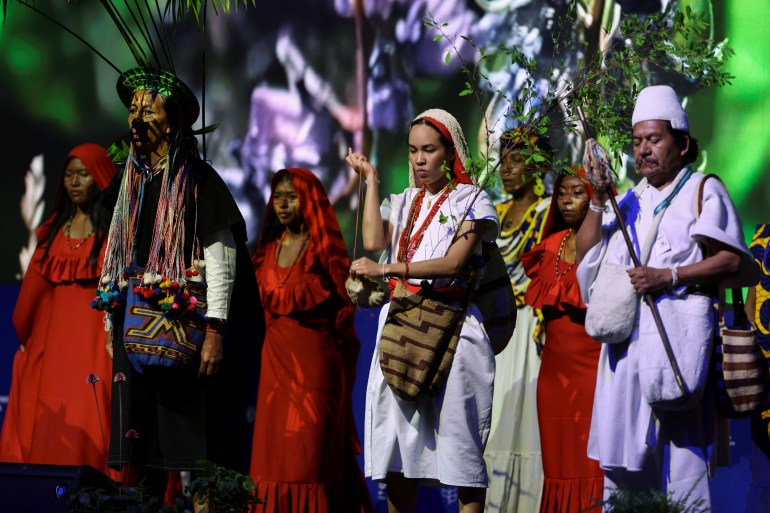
729, 487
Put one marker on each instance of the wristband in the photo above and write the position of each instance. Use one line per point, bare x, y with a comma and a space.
376, 180
597, 209
406, 271
674, 276
215, 325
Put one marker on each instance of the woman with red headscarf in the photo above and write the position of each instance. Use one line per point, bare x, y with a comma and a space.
565, 390
305, 441
430, 232
58, 407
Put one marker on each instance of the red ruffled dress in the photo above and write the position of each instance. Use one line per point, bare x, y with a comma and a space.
54, 415
565, 391
303, 454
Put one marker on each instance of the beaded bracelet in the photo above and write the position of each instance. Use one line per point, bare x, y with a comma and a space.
674, 276
597, 209
406, 271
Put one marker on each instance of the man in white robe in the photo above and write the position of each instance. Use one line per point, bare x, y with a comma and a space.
644, 447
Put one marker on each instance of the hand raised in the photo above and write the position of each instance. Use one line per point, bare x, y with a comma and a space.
361, 165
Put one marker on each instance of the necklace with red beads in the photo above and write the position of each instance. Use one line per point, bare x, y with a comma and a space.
67, 235
560, 253
408, 244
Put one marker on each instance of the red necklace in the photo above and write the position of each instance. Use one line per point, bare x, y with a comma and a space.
282, 282
67, 236
560, 253
406, 245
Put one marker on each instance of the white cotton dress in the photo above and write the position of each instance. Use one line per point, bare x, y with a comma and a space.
439, 441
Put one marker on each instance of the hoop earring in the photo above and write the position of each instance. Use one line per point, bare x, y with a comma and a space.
539, 188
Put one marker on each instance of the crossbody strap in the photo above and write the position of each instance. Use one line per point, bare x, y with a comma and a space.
740, 318
699, 196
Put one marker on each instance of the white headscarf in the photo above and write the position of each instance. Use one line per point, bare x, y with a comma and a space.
457, 139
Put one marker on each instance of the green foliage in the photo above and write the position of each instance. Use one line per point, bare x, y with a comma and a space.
605, 89
145, 25
116, 499
624, 500
677, 41
179, 9
224, 490
221, 490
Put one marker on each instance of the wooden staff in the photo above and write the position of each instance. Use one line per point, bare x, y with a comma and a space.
637, 263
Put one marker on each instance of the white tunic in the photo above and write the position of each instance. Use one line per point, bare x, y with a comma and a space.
623, 426
439, 441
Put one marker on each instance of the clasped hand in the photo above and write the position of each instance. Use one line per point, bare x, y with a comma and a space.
649, 279
596, 166
365, 267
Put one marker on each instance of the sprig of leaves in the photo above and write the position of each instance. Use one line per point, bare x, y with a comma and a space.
675, 42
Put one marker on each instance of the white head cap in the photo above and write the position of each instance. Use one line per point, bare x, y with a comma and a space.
660, 102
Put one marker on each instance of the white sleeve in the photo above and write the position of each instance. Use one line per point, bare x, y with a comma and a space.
220, 255
588, 269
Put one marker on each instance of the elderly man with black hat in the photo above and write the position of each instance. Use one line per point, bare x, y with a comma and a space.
644, 432
176, 284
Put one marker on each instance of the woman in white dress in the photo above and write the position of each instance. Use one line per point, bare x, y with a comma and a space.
438, 441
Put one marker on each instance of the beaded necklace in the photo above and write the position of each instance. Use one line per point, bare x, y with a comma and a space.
560, 253
282, 282
67, 235
408, 246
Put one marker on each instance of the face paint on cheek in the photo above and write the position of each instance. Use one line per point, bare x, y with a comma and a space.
141, 129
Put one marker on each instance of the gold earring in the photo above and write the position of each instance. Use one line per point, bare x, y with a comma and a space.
539, 188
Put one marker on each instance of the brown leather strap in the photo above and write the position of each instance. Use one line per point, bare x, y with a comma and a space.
737, 293
702, 184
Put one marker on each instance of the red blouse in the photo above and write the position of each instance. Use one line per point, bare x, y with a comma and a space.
545, 290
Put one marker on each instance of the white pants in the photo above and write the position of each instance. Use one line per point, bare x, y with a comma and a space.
675, 465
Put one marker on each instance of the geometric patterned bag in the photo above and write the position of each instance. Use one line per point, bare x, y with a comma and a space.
418, 343
165, 323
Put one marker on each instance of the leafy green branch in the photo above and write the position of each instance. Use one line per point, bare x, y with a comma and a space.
675, 43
